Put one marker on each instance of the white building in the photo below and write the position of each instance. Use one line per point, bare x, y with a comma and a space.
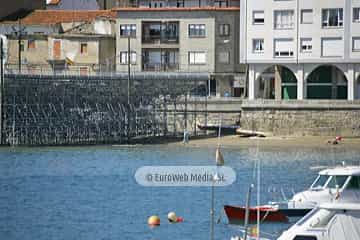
315, 46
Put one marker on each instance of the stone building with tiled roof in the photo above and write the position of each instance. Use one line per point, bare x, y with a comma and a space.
53, 40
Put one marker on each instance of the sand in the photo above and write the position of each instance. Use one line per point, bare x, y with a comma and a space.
236, 141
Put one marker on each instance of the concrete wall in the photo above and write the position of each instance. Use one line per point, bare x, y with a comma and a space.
38, 55
279, 118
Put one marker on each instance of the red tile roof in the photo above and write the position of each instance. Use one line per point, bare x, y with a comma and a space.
135, 9
50, 17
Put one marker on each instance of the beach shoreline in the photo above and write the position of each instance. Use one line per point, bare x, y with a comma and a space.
233, 141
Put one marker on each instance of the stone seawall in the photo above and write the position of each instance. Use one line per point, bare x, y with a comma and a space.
281, 118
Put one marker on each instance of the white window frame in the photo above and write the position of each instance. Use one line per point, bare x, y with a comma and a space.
322, 47
284, 54
354, 49
258, 45
356, 9
308, 47
130, 30
253, 17
281, 26
325, 20
192, 56
124, 57
302, 16
199, 32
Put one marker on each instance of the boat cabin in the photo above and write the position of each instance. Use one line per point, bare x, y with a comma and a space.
338, 178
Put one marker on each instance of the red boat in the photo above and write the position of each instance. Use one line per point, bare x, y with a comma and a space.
236, 214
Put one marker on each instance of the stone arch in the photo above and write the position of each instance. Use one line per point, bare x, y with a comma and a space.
327, 82
276, 82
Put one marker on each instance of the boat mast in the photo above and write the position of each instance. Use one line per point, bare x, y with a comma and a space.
258, 193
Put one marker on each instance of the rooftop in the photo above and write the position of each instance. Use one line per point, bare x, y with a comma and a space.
50, 17
347, 171
140, 9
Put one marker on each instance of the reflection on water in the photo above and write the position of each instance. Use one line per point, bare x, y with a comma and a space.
90, 192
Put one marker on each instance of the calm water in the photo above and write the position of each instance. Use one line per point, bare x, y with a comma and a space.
90, 193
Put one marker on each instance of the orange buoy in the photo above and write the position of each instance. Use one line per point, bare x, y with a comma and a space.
179, 219
154, 221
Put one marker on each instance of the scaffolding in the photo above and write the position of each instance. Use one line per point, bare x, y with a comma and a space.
76, 110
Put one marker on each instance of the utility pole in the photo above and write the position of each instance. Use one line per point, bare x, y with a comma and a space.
19, 45
128, 89
18, 33
1, 91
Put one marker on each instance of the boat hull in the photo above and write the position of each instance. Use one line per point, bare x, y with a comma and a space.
236, 214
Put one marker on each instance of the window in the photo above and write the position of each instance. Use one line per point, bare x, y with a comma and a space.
224, 29
128, 30
306, 45
124, 58
356, 15
306, 16
332, 17
83, 48
180, 3
258, 45
221, 3
224, 57
197, 58
258, 17
197, 30
356, 44
337, 180
332, 47
284, 48
354, 183
284, 19
31, 44
320, 181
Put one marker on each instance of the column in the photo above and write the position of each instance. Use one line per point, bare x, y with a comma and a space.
350, 75
300, 83
278, 81
252, 79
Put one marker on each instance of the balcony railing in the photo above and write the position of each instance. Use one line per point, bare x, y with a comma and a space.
160, 67
156, 39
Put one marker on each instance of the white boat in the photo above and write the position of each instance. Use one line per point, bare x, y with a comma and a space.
338, 184
332, 221
341, 184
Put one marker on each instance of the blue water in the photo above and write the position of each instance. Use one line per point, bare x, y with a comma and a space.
90, 192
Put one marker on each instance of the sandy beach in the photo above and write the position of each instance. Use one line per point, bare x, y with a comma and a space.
273, 142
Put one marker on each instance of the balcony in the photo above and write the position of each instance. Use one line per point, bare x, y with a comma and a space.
160, 32
160, 60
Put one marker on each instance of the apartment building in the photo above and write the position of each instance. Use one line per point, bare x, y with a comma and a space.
301, 49
182, 39
55, 41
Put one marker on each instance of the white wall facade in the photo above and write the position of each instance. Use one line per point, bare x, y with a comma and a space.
329, 44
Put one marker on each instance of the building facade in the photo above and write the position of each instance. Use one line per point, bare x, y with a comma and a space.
58, 41
182, 39
301, 49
